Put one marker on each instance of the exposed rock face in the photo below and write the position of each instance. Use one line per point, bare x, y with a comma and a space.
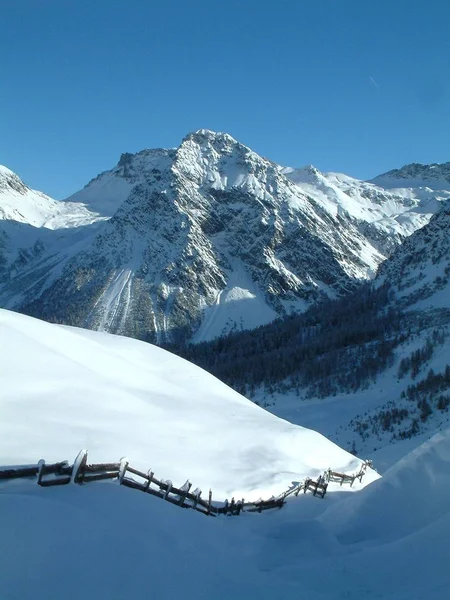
419, 271
201, 240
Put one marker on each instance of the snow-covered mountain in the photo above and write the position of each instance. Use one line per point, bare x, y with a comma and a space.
419, 271
21, 204
435, 176
106, 192
384, 214
209, 238
206, 239
36, 232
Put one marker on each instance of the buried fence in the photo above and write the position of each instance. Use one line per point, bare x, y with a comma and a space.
81, 472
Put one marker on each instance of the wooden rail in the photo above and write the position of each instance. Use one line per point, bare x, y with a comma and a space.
343, 478
81, 472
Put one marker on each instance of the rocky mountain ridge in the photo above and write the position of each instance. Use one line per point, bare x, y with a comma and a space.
208, 238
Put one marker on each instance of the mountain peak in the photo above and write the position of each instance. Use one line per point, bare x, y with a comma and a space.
207, 136
10, 181
435, 175
5, 172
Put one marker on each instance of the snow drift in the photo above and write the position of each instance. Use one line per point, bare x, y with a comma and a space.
64, 389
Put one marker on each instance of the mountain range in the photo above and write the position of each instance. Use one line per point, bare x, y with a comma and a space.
192, 243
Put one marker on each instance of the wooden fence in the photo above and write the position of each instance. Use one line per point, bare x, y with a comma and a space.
343, 478
81, 472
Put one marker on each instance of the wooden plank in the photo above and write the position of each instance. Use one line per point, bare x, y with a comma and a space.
55, 481
102, 467
59, 467
88, 477
131, 483
13, 472
136, 472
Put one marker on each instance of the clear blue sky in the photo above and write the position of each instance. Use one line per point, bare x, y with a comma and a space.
358, 86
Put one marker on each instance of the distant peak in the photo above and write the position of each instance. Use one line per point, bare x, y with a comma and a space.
5, 172
209, 133
210, 136
306, 174
418, 171
9, 180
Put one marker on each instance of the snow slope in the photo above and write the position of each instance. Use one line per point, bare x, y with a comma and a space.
64, 389
105, 542
37, 234
106, 192
20, 203
387, 211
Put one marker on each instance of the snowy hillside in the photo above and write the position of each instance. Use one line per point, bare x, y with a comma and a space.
105, 193
21, 204
37, 234
65, 388
387, 541
385, 216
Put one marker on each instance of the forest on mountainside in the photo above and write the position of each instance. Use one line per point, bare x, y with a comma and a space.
338, 345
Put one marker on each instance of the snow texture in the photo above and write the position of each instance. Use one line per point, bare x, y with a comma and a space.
64, 389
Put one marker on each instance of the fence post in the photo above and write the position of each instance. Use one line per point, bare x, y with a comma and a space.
41, 466
185, 488
122, 469
209, 502
197, 493
78, 467
169, 487
150, 477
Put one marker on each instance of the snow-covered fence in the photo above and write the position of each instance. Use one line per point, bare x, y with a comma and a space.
344, 478
81, 472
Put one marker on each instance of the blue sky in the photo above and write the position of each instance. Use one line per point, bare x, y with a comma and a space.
358, 86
